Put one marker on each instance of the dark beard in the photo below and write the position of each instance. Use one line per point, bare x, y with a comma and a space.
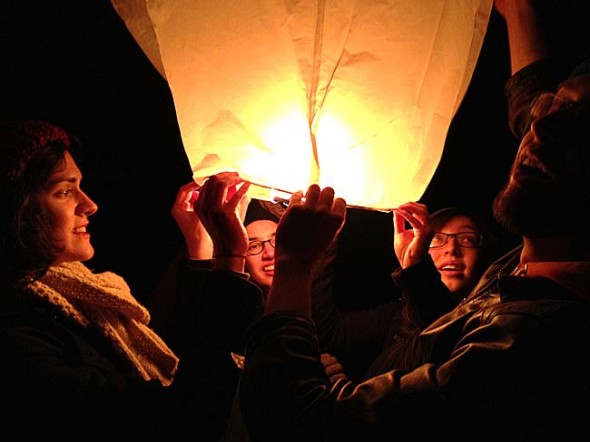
536, 213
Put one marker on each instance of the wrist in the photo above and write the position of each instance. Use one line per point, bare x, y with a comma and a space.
230, 261
199, 251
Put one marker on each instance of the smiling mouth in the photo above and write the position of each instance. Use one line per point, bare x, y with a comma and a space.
530, 168
451, 268
269, 268
531, 172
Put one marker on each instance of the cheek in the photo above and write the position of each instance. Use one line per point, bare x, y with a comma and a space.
579, 163
470, 258
435, 254
252, 262
58, 221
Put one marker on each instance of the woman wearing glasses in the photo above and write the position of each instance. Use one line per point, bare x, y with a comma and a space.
441, 257
458, 242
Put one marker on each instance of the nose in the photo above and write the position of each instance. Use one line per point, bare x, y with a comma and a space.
86, 205
268, 251
551, 139
538, 128
452, 247
550, 127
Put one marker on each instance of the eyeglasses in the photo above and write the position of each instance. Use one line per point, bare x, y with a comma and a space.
256, 247
547, 103
468, 240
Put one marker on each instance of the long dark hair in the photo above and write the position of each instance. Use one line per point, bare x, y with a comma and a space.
30, 152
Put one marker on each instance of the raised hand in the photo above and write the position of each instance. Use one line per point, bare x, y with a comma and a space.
309, 224
218, 208
411, 245
527, 32
198, 242
305, 230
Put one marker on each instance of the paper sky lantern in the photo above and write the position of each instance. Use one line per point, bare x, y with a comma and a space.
355, 94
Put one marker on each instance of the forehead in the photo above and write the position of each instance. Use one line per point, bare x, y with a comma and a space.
459, 223
67, 171
261, 228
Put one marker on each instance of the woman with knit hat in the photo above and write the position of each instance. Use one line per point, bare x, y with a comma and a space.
79, 356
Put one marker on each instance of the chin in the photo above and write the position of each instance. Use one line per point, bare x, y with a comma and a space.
453, 288
88, 255
453, 285
263, 283
524, 212
80, 255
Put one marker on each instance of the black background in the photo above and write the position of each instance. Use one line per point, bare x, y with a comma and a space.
75, 64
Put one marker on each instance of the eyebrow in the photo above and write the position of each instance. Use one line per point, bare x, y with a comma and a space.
71, 179
54, 182
469, 227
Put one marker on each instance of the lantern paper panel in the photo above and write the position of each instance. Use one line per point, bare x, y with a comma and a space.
355, 94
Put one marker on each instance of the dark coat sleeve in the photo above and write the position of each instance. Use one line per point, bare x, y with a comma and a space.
213, 310
65, 380
516, 368
424, 296
355, 337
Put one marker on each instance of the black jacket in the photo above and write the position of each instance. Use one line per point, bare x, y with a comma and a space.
508, 362
63, 380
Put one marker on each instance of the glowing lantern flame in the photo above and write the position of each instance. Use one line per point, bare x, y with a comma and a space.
355, 94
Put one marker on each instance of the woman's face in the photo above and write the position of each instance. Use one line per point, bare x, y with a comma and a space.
262, 266
68, 209
458, 266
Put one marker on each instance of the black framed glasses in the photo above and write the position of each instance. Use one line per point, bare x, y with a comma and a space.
468, 240
256, 247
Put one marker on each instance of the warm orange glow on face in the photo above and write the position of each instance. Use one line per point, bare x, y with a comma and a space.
358, 95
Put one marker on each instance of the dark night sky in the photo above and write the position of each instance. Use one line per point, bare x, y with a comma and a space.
75, 64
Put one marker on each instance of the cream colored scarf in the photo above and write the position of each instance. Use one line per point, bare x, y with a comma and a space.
104, 301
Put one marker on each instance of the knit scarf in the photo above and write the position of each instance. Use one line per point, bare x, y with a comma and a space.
104, 301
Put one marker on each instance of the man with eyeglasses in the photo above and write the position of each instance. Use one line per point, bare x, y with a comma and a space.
223, 275
220, 279
261, 225
260, 220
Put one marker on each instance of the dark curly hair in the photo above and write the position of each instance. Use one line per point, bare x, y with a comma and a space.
30, 152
